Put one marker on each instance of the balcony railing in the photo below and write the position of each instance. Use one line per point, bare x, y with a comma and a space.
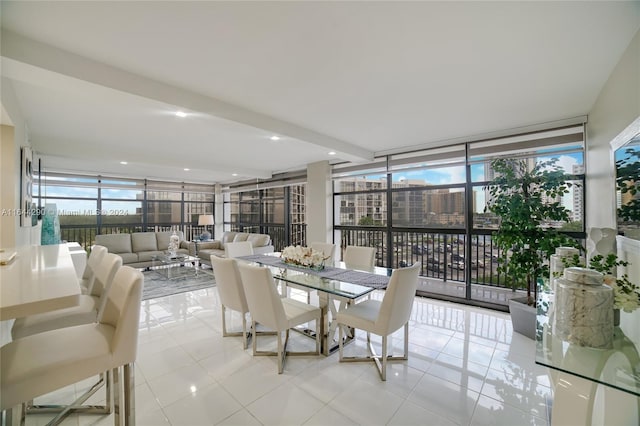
85, 235
442, 255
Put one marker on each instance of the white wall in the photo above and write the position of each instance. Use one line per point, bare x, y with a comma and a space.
11, 176
617, 106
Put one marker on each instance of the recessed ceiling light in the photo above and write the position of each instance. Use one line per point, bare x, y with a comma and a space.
124, 162
332, 153
275, 138
186, 170
181, 114
234, 174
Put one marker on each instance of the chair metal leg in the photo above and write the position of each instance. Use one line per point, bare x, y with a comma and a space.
380, 360
246, 336
11, 416
117, 396
129, 395
281, 353
76, 406
318, 335
383, 368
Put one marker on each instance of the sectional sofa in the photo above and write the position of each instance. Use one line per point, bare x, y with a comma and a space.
261, 244
138, 248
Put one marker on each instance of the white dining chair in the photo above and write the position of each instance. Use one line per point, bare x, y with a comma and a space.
96, 255
357, 256
382, 317
88, 310
238, 249
41, 363
231, 293
328, 249
276, 313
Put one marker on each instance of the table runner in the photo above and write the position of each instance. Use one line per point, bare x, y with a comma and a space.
347, 275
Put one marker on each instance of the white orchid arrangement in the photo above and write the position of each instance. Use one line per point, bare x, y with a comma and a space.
303, 256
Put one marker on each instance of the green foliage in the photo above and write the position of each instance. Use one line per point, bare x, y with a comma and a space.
626, 293
575, 226
366, 221
527, 202
628, 182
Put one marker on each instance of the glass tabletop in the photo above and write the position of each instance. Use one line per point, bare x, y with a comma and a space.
314, 280
617, 367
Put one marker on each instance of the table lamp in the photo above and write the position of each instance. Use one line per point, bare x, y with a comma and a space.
205, 220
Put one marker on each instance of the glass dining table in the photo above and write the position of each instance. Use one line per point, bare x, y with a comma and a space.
338, 285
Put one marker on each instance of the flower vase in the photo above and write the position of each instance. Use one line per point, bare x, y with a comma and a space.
174, 242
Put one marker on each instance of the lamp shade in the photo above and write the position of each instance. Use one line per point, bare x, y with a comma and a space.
205, 219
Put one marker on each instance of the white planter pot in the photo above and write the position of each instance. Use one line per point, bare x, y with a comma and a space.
523, 317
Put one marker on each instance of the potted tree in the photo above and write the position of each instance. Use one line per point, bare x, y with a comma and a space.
527, 201
628, 184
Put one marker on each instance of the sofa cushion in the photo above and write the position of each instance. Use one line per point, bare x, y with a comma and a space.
128, 258
143, 241
228, 237
162, 239
215, 244
258, 240
205, 255
241, 236
115, 243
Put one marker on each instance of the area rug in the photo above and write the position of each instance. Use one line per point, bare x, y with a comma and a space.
155, 285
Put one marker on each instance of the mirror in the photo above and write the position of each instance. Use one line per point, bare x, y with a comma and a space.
627, 162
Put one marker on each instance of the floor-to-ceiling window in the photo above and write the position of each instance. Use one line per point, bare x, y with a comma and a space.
90, 205
274, 207
428, 206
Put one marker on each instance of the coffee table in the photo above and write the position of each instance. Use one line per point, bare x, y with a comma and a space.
179, 266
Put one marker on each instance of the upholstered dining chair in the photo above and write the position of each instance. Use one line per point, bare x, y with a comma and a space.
231, 292
96, 255
328, 249
383, 317
87, 311
239, 248
276, 313
356, 256
41, 363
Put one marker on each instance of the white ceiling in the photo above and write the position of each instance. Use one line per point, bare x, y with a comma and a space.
99, 82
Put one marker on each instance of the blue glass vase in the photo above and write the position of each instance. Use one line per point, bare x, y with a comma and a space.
50, 225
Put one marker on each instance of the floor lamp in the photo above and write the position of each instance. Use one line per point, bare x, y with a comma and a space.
205, 220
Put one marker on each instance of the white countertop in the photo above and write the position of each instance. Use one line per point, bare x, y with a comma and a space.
39, 279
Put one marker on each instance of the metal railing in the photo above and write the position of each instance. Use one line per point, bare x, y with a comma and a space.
442, 255
85, 235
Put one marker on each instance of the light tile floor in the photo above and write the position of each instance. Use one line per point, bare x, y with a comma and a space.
466, 367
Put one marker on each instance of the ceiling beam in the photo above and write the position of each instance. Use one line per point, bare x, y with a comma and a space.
28, 51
